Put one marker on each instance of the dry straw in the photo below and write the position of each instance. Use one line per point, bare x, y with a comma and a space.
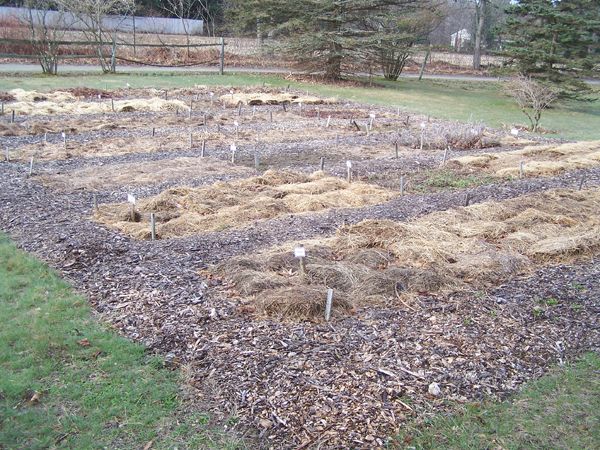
542, 160
377, 261
266, 98
183, 211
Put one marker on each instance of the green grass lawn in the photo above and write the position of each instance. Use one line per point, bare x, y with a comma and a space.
457, 100
559, 411
68, 382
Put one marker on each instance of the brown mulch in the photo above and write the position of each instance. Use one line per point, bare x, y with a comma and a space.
352, 382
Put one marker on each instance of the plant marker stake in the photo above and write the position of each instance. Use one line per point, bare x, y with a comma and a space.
371, 120
152, 226
233, 150
318, 113
349, 169
64, 136
177, 111
253, 110
95, 202
45, 138
300, 253
202, 148
322, 164
239, 108
328, 304
467, 199
31, 166
256, 160
271, 116
7, 156
212, 98
398, 112
396, 146
328, 121
112, 105
12, 119
580, 181
521, 169
337, 140
401, 184
131, 200
445, 156
2, 108
153, 131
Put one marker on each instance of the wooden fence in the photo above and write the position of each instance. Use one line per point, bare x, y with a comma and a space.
111, 48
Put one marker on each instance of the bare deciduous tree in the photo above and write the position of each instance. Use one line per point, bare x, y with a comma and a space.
532, 98
92, 14
45, 31
185, 10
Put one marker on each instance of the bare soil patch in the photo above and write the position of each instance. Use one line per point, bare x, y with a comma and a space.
143, 173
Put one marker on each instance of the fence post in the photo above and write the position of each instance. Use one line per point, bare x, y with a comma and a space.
113, 56
222, 65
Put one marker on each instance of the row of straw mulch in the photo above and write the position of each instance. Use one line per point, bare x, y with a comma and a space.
184, 211
538, 160
381, 261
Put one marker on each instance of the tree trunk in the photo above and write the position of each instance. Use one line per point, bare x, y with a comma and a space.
333, 67
480, 16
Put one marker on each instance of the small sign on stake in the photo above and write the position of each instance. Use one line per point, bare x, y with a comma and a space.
300, 253
328, 121
349, 169
233, 149
371, 120
514, 132
131, 200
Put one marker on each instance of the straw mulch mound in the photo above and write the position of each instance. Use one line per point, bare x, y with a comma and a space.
140, 173
543, 160
271, 98
378, 261
35, 103
184, 211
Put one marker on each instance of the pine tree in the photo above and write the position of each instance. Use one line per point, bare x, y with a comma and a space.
553, 41
322, 34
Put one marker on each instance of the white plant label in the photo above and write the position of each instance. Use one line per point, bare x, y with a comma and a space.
300, 252
372, 115
514, 132
349, 164
211, 94
423, 125
131, 199
233, 148
236, 124
63, 135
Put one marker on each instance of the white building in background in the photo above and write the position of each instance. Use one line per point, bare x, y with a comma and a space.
459, 39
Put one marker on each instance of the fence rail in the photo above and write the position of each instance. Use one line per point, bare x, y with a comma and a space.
114, 45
